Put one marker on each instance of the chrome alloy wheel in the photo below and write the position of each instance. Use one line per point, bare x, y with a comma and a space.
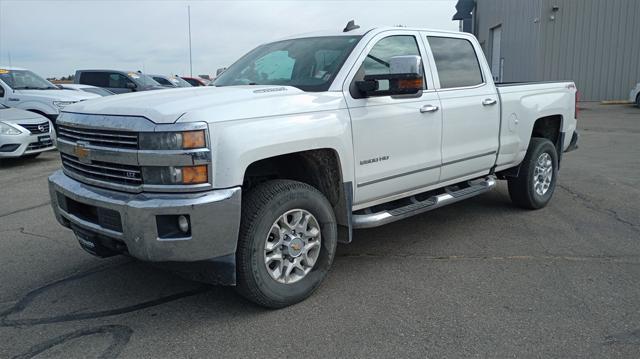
292, 246
542, 174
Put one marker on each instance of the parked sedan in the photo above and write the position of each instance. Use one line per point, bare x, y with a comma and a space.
24, 133
86, 88
170, 81
634, 96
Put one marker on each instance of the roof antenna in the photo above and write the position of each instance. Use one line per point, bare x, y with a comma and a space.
351, 25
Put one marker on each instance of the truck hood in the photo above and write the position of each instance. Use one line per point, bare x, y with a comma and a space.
53, 95
212, 104
11, 115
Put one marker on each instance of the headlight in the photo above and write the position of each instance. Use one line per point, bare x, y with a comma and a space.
8, 130
172, 140
62, 104
175, 175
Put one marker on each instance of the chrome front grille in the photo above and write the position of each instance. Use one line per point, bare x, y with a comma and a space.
102, 138
103, 171
37, 128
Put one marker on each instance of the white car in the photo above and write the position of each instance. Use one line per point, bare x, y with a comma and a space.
21, 88
86, 88
249, 180
634, 95
24, 133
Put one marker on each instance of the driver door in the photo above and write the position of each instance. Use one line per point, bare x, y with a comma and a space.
396, 139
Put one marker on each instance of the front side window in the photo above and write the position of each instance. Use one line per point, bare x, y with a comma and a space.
309, 64
378, 59
456, 62
117, 81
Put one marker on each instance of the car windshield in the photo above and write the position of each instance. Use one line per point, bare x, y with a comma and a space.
177, 81
98, 91
25, 80
309, 64
143, 79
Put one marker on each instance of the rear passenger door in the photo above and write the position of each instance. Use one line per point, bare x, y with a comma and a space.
470, 107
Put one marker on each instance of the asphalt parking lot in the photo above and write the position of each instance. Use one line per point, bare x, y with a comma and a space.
480, 278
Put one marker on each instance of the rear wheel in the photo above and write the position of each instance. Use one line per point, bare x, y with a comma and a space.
638, 100
536, 181
287, 242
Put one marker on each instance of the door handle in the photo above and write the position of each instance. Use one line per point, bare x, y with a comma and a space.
428, 108
489, 102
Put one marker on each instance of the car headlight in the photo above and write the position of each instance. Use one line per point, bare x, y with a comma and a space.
172, 140
187, 175
62, 104
8, 130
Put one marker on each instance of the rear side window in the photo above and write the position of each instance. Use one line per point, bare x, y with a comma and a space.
100, 79
456, 62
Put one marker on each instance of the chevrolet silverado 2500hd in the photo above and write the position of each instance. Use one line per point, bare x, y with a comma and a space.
250, 180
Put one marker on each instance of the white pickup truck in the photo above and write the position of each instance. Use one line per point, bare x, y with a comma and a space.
247, 183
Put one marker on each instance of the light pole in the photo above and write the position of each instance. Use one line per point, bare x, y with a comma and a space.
190, 59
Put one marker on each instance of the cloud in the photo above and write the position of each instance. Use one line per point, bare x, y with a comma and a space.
54, 38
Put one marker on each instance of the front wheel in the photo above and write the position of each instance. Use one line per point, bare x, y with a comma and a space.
536, 182
287, 242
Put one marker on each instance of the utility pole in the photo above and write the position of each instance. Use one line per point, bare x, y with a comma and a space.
190, 58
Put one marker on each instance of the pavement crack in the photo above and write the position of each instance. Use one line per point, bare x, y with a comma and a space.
25, 209
589, 203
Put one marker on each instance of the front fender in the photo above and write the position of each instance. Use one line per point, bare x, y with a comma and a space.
238, 144
36, 106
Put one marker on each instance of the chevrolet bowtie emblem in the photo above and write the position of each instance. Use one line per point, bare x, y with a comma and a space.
82, 153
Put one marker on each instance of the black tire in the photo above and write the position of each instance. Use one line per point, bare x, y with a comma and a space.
521, 188
261, 207
638, 101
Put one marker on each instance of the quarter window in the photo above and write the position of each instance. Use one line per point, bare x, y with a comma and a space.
456, 62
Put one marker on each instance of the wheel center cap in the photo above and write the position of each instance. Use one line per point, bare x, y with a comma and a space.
295, 247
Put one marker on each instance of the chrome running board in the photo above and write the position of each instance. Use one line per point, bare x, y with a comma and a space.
368, 218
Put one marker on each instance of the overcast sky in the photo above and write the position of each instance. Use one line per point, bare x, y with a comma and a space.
54, 38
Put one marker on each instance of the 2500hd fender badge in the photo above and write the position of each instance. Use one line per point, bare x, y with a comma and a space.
374, 160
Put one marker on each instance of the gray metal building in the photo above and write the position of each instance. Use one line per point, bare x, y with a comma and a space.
595, 43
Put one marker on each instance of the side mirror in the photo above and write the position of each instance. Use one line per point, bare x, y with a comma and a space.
404, 78
131, 86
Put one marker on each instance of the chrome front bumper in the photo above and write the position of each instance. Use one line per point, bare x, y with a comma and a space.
214, 219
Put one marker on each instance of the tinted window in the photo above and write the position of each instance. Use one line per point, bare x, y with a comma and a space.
100, 79
118, 80
456, 62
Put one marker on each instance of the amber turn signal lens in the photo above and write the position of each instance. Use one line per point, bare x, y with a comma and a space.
195, 174
410, 84
193, 139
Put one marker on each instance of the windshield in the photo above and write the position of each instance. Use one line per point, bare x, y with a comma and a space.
143, 79
177, 81
309, 64
98, 91
25, 80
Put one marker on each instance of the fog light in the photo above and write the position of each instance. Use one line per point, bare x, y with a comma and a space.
183, 224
